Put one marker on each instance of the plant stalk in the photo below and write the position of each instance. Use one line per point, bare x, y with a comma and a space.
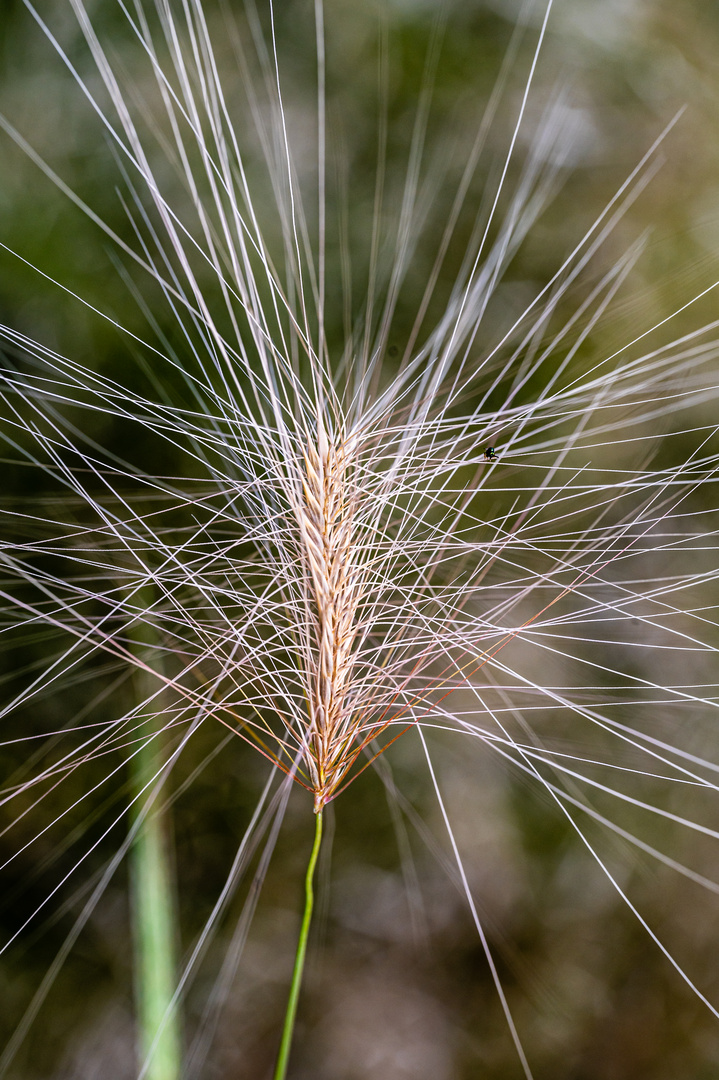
153, 906
153, 902
290, 1015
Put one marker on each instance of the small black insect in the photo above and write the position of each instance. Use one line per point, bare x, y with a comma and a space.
489, 454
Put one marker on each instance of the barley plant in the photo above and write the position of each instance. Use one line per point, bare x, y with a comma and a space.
360, 459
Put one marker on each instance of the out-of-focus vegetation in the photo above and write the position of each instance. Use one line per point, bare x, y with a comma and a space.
397, 984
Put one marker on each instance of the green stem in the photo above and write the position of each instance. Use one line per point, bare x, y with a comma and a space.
289, 1025
153, 899
154, 932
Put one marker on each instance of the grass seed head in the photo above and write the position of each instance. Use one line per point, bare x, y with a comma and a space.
329, 558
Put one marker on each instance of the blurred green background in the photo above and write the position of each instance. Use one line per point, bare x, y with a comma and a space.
397, 984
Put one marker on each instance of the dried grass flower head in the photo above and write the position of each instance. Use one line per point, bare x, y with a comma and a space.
447, 508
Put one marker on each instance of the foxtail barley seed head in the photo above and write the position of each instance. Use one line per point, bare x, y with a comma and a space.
330, 558
379, 470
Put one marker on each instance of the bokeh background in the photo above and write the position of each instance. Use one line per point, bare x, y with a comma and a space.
397, 985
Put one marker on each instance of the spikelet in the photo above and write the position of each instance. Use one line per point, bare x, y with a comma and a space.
325, 516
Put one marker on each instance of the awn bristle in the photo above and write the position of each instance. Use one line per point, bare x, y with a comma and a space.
325, 514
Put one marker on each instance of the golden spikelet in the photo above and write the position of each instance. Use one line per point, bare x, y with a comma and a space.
325, 514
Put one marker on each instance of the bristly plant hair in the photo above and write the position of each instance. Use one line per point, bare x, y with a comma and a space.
357, 543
